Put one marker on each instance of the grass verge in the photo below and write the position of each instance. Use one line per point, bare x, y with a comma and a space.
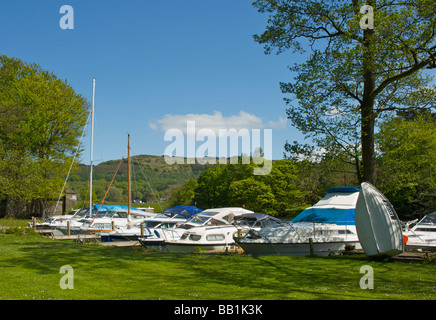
30, 264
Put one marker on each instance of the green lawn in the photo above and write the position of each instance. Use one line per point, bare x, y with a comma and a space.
29, 269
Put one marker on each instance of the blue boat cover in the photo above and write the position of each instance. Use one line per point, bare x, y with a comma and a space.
111, 207
343, 189
327, 215
185, 211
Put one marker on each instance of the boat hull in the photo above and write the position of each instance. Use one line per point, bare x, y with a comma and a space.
377, 224
191, 248
296, 249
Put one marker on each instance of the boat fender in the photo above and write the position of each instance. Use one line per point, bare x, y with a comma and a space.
148, 229
157, 233
405, 238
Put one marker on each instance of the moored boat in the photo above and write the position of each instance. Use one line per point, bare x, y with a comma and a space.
208, 230
422, 236
325, 228
166, 220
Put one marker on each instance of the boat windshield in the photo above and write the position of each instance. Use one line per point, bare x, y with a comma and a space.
173, 213
82, 213
199, 219
151, 224
429, 220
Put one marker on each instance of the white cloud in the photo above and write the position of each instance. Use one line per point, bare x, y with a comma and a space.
279, 124
216, 121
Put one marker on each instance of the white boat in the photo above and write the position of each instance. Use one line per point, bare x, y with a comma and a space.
149, 228
422, 236
208, 230
377, 223
323, 229
53, 223
108, 218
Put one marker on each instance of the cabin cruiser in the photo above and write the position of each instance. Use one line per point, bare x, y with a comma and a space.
323, 229
211, 229
167, 219
54, 223
107, 218
422, 236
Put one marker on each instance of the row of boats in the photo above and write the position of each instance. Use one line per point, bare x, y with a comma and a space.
346, 218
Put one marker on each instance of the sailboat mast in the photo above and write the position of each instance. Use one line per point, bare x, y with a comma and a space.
128, 175
92, 146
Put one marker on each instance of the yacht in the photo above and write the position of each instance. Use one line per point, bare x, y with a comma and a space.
422, 236
168, 219
211, 229
323, 229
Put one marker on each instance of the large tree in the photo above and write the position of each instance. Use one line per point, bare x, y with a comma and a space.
356, 72
41, 121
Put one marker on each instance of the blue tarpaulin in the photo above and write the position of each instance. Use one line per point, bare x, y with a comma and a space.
327, 215
185, 211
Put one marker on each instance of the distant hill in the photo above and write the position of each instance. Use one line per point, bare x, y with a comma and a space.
146, 171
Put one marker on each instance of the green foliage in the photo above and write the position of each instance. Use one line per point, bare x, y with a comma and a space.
41, 119
407, 164
151, 177
277, 193
185, 194
252, 194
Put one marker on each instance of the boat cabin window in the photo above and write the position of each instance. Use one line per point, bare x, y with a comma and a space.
194, 237
215, 237
345, 232
215, 222
167, 225
426, 229
151, 224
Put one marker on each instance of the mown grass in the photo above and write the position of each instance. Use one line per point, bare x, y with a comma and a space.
30, 264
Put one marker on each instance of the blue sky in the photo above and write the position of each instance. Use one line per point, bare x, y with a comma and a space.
156, 63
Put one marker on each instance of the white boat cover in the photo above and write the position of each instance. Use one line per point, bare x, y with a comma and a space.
377, 223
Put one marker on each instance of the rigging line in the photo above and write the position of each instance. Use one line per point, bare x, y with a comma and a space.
135, 181
72, 162
157, 198
90, 208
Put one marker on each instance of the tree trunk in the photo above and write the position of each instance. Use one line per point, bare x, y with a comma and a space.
368, 152
367, 108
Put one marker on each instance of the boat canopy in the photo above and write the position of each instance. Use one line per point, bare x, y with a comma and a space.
342, 189
182, 211
327, 215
